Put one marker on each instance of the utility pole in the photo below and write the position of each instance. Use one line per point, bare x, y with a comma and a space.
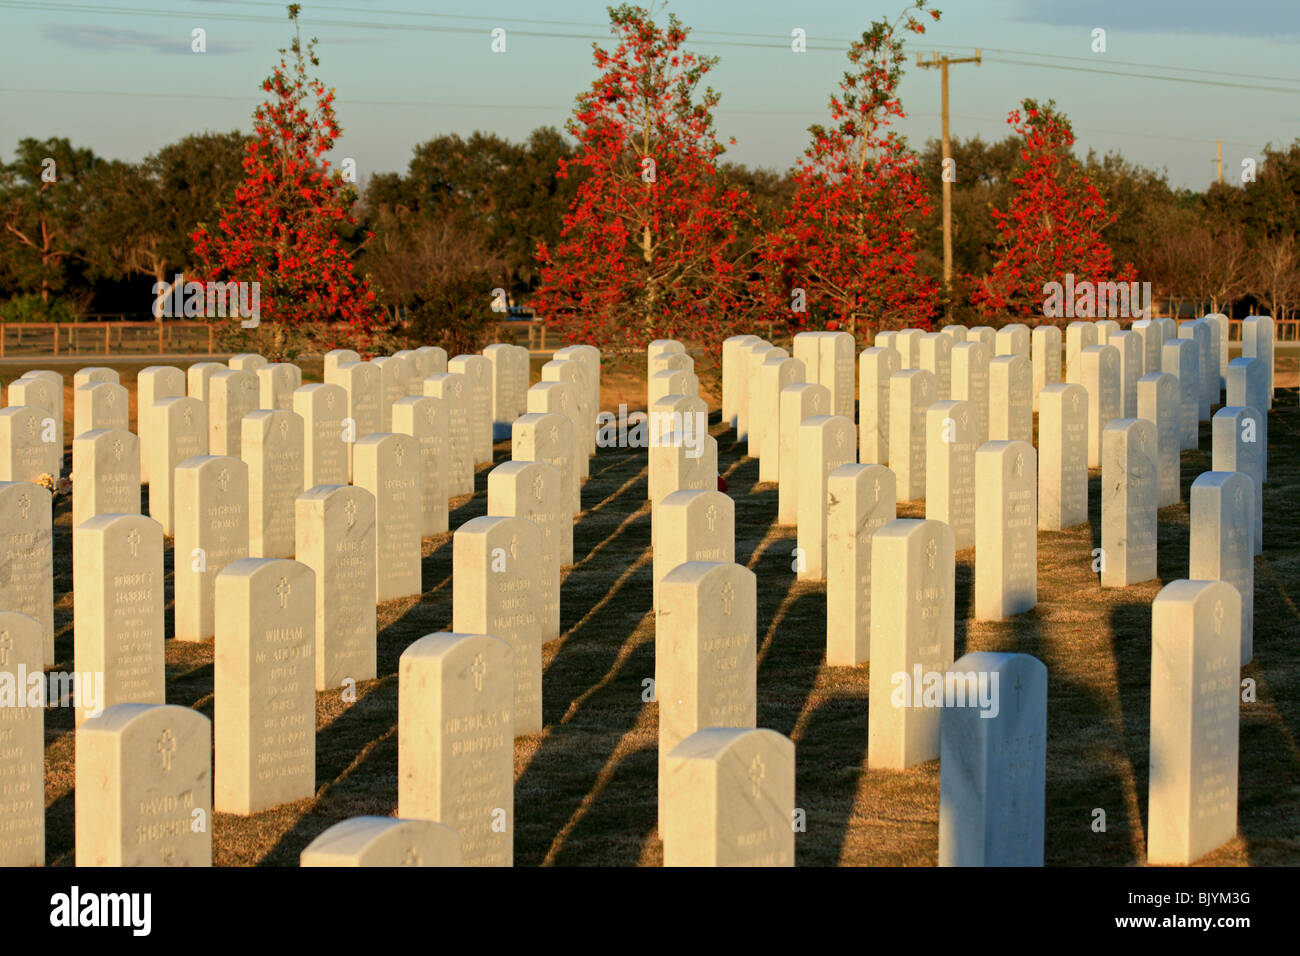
1218, 159
942, 62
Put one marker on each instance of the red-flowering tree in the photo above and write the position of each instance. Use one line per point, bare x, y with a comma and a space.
1054, 224
649, 247
281, 230
846, 249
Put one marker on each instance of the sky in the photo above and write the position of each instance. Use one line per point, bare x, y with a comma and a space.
1175, 75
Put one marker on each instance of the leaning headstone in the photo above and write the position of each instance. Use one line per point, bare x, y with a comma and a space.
1045, 349
950, 468
325, 452
774, 374
211, 515
423, 418
913, 581
1006, 530
1257, 343
495, 591
875, 367
27, 444
1128, 503
745, 779
1235, 446
1247, 387
453, 391
799, 403
970, 381
100, 405
264, 710
936, 357
478, 383
549, 438
825, 443
1131, 360
272, 447
1179, 359
1195, 669
1221, 544
1078, 336
731, 371
1011, 399
1099, 374
335, 537
360, 383
181, 433
1198, 333
22, 733
910, 393
389, 466
993, 762
1062, 457
144, 779
535, 490
455, 741
860, 500
276, 384
232, 394
691, 526
105, 474
383, 841
151, 385
1159, 403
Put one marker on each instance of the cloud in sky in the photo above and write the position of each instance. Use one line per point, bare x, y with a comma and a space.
1272, 19
104, 39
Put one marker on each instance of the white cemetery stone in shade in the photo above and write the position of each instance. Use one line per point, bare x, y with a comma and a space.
1159, 403
1104, 329
507, 388
936, 357
1247, 387
1062, 457
338, 357
860, 500
1179, 359
908, 343
1011, 399
100, 405
118, 607
264, 709
211, 515
588, 356
199, 376
360, 382
691, 526
835, 370
276, 384
22, 730
25, 452
1045, 351
658, 350
913, 580
728, 796
950, 468
534, 490
479, 386
1195, 669
1131, 358
887, 339
1257, 343
564, 398
688, 415
144, 777
1235, 446
93, 375
44, 389
1012, 339
799, 403
424, 420
383, 841
389, 467
1168, 329
453, 391
986, 336
776, 372
410, 372
1006, 530
181, 433
1221, 545
875, 367
706, 649
993, 761
1099, 374
1211, 378
682, 462
670, 382
495, 590
574, 373
151, 384
325, 453
455, 741
825, 443
911, 391
335, 537
1221, 326
272, 448
1198, 332
1078, 336
755, 435
394, 383
549, 438
247, 361
731, 374
956, 332
970, 381
105, 474
232, 394
743, 359
1128, 502
1152, 344
807, 349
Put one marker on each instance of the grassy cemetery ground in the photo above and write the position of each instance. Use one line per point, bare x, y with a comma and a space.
585, 787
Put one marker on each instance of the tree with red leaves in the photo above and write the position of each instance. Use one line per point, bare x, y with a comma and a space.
846, 249
649, 247
1054, 224
281, 230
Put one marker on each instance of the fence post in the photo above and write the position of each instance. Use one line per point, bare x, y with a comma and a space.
108, 338
56, 338
210, 344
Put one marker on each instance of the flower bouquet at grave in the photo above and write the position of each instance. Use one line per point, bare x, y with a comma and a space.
55, 486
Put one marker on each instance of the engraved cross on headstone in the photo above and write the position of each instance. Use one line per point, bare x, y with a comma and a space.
478, 669
756, 774
399, 453
1020, 468
412, 857
223, 479
6, 642
133, 542
350, 512
930, 551
538, 485
24, 505
728, 596
166, 747
1218, 617
711, 517
282, 589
